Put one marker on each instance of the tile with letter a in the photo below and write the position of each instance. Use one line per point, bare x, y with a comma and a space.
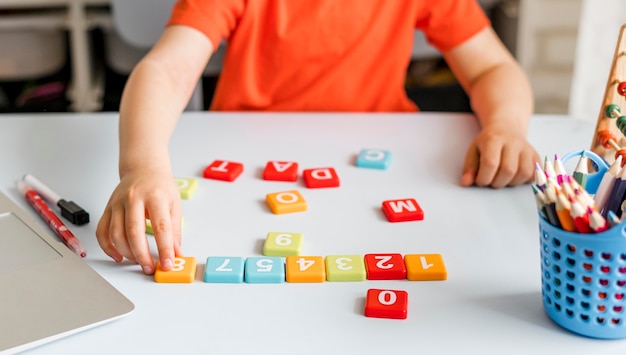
425, 267
281, 171
183, 271
320, 177
345, 268
224, 269
373, 159
282, 244
286, 202
187, 187
223, 170
402, 210
385, 266
305, 269
264, 270
386, 303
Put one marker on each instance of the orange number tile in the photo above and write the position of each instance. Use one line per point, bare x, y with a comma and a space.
184, 271
425, 267
305, 269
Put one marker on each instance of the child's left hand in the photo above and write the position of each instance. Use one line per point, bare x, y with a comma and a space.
498, 159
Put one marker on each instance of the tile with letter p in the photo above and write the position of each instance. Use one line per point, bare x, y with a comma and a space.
224, 269
345, 268
183, 271
264, 270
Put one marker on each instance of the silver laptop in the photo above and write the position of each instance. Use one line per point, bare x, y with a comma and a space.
46, 291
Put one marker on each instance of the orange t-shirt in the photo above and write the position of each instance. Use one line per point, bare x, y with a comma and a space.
323, 55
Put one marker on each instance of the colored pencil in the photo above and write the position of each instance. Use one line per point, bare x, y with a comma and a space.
581, 171
563, 210
597, 223
559, 169
580, 216
607, 182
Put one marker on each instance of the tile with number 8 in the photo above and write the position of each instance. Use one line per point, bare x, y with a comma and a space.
183, 271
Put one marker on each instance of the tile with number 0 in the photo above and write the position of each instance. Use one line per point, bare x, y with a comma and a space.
183, 271
224, 269
345, 268
264, 270
305, 269
425, 267
385, 266
381, 303
282, 244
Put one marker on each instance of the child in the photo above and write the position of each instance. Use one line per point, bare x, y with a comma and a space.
304, 55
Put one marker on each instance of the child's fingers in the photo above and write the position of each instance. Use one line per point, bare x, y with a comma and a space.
136, 237
470, 166
490, 158
103, 236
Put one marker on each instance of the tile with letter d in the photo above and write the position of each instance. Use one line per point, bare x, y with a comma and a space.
320, 178
264, 270
345, 268
183, 271
425, 267
373, 159
224, 269
305, 269
282, 244
187, 187
386, 303
385, 266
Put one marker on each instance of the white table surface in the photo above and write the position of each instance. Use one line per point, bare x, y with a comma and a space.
490, 304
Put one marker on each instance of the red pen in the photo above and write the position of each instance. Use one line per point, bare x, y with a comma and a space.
51, 218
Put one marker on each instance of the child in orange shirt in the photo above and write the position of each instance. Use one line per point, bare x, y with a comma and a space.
304, 55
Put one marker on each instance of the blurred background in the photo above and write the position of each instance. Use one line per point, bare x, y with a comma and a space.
75, 55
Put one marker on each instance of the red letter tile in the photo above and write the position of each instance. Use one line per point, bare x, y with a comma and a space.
320, 177
402, 210
281, 171
223, 170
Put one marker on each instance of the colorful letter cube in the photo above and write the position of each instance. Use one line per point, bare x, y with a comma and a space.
305, 269
187, 187
320, 177
183, 271
425, 267
281, 171
386, 303
385, 267
223, 170
224, 269
345, 268
286, 202
264, 270
402, 210
282, 244
373, 159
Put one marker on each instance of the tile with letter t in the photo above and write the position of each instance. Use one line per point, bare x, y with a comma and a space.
320, 177
425, 267
264, 270
386, 304
223, 170
385, 266
224, 269
373, 159
187, 187
402, 210
345, 268
281, 171
305, 269
183, 271
282, 244
286, 202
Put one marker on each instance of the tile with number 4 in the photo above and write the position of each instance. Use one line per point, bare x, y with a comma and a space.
385, 266
183, 271
386, 303
305, 269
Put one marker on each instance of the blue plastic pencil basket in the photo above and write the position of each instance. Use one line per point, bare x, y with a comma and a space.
584, 275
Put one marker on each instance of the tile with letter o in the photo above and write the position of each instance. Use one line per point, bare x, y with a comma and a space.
425, 267
320, 177
385, 266
264, 270
281, 171
223, 170
187, 187
345, 268
402, 210
183, 271
286, 202
282, 244
305, 269
373, 159
224, 269
386, 304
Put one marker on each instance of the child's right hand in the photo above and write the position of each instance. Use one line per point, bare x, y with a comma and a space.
121, 229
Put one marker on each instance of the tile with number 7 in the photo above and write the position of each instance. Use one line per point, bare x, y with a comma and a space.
385, 266
381, 303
